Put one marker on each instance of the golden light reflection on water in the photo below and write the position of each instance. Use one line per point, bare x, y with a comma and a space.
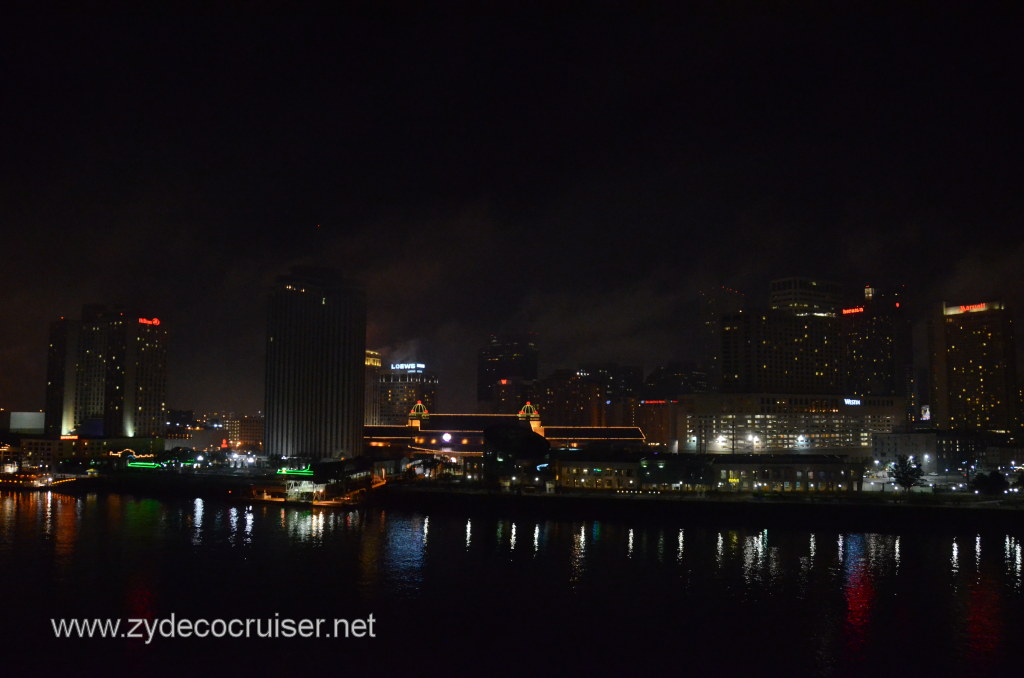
577, 555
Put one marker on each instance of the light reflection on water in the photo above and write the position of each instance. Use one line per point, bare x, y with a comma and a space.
841, 603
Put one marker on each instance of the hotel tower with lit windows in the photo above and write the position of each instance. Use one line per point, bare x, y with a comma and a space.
974, 370
316, 366
107, 375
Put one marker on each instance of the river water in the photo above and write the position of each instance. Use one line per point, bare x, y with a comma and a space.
463, 594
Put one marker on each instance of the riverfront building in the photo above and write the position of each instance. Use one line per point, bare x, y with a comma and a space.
462, 435
766, 422
626, 472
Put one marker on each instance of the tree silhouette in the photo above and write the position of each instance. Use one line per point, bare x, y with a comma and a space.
993, 483
905, 472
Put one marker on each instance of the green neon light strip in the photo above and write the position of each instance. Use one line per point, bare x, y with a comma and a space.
295, 472
144, 464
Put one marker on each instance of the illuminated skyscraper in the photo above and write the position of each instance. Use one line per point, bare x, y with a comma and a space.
974, 369
371, 407
316, 366
107, 375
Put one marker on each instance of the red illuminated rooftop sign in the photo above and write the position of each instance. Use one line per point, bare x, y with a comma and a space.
148, 321
855, 309
969, 308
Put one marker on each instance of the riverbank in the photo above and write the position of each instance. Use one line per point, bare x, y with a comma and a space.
165, 484
851, 512
860, 512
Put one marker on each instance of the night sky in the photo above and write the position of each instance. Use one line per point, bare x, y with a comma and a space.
578, 175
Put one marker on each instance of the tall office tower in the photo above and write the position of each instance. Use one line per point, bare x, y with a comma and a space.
714, 304
512, 358
371, 406
107, 375
974, 369
61, 373
402, 385
781, 352
316, 364
804, 296
877, 358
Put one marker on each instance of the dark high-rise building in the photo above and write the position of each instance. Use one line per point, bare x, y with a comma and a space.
876, 337
316, 366
781, 352
672, 380
402, 385
571, 398
617, 382
61, 377
805, 296
716, 303
107, 375
974, 369
510, 358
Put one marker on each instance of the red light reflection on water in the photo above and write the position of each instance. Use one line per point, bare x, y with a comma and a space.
139, 598
859, 591
985, 623
860, 594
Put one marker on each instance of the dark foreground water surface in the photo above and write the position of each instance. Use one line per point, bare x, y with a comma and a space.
457, 594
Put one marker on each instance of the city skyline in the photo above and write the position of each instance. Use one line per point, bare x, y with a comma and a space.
833, 327
575, 177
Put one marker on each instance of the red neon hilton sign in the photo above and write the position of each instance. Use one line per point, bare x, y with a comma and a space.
147, 321
855, 309
973, 307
